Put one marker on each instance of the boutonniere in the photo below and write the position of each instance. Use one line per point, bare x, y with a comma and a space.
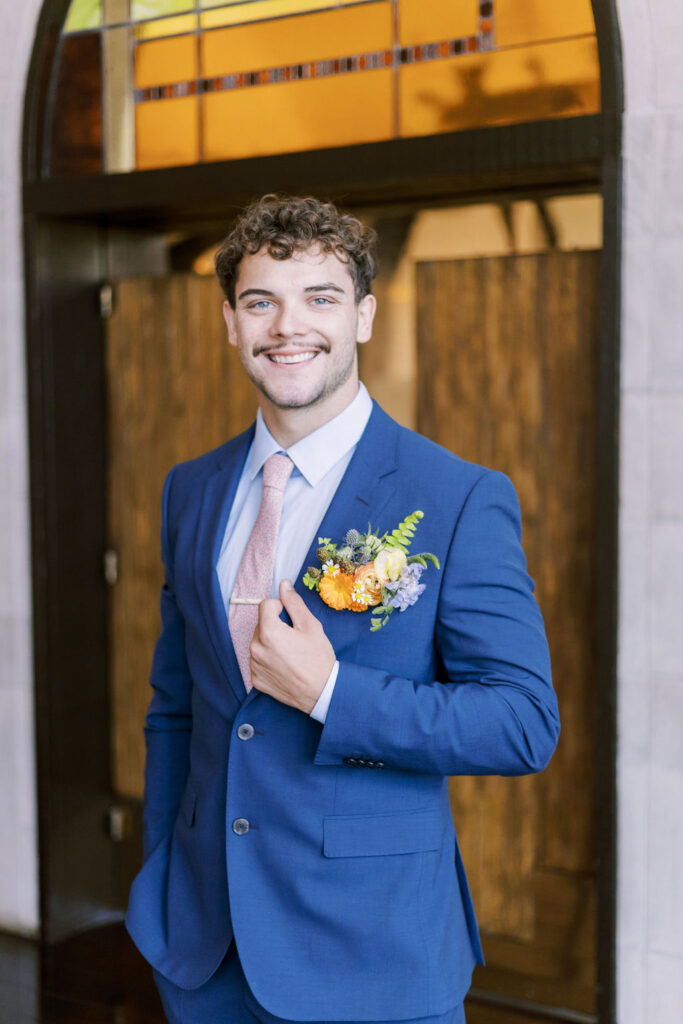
368, 571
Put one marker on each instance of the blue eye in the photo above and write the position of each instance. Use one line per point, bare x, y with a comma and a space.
320, 300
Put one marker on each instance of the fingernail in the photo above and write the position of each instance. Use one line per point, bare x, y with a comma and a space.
287, 584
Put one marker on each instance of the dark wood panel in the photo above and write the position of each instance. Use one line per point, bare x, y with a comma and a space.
76, 128
508, 377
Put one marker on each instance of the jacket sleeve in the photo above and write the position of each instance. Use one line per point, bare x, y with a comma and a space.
492, 711
169, 716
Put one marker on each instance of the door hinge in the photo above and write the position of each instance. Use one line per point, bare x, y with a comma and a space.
106, 301
111, 566
119, 823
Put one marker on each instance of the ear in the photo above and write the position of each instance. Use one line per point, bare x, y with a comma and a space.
229, 317
366, 314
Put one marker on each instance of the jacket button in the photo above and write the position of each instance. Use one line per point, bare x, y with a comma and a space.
240, 826
245, 731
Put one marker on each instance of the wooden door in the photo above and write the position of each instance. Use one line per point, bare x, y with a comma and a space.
507, 358
175, 390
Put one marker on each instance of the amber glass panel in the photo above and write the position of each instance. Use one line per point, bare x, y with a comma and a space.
165, 61
167, 132
298, 115
141, 9
297, 40
235, 14
76, 142
166, 26
83, 14
552, 80
528, 21
427, 21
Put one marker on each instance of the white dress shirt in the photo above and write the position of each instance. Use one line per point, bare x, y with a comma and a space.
320, 461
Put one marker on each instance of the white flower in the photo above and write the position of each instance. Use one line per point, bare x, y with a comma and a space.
331, 567
389, 563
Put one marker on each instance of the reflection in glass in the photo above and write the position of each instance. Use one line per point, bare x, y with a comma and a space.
502, 87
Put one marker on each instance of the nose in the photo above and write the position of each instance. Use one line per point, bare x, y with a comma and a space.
287, 322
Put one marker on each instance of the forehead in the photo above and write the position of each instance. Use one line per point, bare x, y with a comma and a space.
303, 269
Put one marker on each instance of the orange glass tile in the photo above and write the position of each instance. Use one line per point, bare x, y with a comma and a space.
428, 21
336, 111
529, 21
164, 61
182, 23
310, 37
560, 79
167, 132
237, 13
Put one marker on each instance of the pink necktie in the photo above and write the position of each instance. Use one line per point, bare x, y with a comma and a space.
255, 573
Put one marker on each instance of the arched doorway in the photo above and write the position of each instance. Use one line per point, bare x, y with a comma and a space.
89, 230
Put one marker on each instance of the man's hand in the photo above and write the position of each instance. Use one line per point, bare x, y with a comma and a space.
290, 663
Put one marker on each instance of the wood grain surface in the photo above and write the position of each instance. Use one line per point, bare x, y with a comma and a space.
507, 377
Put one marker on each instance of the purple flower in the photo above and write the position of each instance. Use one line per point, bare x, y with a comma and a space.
407, 588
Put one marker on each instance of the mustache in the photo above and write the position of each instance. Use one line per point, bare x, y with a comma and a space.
322, 346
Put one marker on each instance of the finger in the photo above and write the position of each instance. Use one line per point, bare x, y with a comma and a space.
268, 613
295, 606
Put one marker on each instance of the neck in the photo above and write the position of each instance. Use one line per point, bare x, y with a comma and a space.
290, 425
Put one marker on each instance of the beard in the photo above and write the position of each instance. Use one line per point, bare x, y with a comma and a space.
337, 377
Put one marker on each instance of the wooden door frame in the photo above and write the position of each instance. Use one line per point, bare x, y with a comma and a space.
68, 226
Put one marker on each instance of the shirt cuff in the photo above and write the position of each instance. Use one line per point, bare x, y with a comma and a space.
319, 712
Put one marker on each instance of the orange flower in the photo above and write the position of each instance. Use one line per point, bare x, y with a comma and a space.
336, 590
372, 584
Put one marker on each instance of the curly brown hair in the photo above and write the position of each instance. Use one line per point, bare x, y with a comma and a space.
285, 224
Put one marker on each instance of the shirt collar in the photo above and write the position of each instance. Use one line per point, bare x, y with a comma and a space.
316, 454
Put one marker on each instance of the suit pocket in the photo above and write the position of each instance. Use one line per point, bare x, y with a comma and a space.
376, 835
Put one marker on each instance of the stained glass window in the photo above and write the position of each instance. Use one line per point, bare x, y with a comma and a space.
171, 82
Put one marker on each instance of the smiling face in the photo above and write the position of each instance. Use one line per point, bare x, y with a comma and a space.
296, 325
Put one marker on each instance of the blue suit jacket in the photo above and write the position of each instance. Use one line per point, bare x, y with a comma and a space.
347, 896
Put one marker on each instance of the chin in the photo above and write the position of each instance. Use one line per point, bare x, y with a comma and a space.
292, 401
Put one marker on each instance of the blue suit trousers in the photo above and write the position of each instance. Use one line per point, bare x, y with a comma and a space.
226, 999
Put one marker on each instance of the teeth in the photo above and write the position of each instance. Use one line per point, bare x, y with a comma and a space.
300, 357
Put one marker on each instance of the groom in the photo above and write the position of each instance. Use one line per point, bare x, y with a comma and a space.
300, 857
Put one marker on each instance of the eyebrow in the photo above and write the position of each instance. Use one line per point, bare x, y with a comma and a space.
254, 291
327, 286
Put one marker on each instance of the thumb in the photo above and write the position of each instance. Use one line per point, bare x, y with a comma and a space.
295, 606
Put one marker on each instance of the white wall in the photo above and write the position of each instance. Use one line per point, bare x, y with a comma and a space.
650, 892
18, 834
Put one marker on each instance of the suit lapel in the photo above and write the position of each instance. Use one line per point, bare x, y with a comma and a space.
219, 494
366, 488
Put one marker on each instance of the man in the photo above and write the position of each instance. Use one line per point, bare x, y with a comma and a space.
300, 858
